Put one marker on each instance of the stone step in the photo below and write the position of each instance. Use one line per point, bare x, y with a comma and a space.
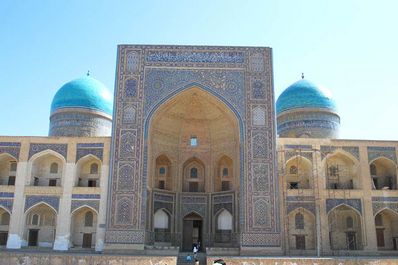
182, 258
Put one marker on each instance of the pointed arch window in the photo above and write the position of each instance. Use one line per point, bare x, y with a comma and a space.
162, 170
35, 219
293, 170
350, 222
94, 168
88, 219
194, 172
299, 221
54, 168
225, 172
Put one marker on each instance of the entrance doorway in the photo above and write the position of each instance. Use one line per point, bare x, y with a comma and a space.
33, 237
87, 238
351, 240
3, 238
192, 232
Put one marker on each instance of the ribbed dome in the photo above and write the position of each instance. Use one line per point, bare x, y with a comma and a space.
304, 94
86, 93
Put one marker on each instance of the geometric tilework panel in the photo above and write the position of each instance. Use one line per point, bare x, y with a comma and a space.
354, 203
31, 200
353, 150
258, 90
125, 236
260, 177
6, 203
159, 83
261, 239
376, 151
377, 206
79, 203
10, 148
59, 148
262, 214
259, 116
82, 152
291, 206
133, 60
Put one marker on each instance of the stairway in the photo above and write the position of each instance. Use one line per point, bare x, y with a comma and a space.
182, 258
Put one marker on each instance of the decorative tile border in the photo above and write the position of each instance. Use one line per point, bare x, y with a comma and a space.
30, 201
35, 148
354, 203
86, 196
380, 151
11, 148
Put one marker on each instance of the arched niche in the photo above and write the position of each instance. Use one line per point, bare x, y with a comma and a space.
162, 226
299, 173
302, 235
384, 174
341, 171
345, 228
8, 169
4, 226
386, 223
163, 175
224, 175
224, 227
193, 123
88, 171
84, 227
40, 226
47, 169
193, 176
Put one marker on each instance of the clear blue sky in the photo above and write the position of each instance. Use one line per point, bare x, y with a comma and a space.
348, 46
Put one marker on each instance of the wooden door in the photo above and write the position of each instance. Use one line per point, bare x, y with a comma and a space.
87, 238
351, 241
187, 235
380, 237
3, 238
300, 242
33, 237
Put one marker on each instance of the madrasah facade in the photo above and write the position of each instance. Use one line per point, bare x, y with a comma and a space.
192, 148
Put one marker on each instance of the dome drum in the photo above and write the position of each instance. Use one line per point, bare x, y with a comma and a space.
308, 125
77, 123
82, 107
305, 110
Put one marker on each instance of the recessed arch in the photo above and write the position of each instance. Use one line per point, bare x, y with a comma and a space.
383, 172
40, 168
342, 170
84, 177
41, 203
344, 205
345, 227
8, 169
298, 172
47, 152
84, 206
84, 221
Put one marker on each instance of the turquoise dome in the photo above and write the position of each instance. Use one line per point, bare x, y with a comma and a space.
86, 93
304, 94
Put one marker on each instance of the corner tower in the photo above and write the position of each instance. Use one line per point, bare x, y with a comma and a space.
81, 107
306, 110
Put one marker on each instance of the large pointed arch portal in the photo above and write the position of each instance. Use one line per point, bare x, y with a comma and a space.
149, 78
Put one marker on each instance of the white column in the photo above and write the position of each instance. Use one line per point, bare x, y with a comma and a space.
17, 220
62, 237
100, 237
